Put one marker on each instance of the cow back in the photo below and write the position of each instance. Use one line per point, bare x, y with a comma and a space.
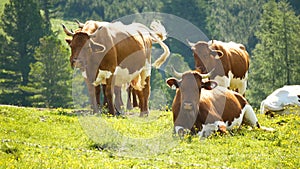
220, 104
235, 58
132, 44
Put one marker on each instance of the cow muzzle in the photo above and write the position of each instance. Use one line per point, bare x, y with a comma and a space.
180, 131
187, 106
76, 64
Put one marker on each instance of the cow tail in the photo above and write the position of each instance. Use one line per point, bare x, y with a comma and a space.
163, 57
159, 34
159, 29
251, 117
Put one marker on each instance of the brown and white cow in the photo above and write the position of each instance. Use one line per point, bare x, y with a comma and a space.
90, 27
116, 54
230, 62
204, 107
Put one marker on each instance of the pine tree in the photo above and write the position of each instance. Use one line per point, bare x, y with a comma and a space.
50, 76
9, 80
46, 5
234, 20
194, 12
159, 98
275, 59
23, 26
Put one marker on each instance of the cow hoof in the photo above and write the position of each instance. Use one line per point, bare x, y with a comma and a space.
181, 133
119, 113
144, 114
129, 107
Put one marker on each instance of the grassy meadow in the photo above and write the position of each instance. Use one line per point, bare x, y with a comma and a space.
63, 138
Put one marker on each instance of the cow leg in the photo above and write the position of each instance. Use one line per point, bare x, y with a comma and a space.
104, 95
249, 116
242, 89
98, 91
118, 99
134, 98
129, 91
239, 85
92, 94
146, 93
109, 90
141, 100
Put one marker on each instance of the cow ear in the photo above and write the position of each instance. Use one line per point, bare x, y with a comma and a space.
173, 83
217, 53
68, 41
209, 85
96, 47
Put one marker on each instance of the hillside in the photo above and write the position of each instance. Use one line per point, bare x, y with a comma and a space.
58, 138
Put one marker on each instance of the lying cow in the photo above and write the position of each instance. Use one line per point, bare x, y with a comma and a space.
209, 109
230, 62
280, 98
117, 54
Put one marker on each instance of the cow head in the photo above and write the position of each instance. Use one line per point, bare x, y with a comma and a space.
82, 46
189, 88
205, 58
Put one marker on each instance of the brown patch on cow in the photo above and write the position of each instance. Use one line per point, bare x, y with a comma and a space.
235, 58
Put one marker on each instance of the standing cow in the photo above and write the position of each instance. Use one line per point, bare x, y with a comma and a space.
205, 108
90, 27
230, 62
116, 54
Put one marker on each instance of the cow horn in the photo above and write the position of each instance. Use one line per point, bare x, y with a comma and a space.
207, 75
69, 33
210, 43
190, 43
176, 74
80, 25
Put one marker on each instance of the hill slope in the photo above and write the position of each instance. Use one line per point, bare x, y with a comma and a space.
57, 138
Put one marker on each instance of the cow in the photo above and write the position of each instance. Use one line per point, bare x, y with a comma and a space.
230, 62
200, 105
280, 98
90, 27
117, 54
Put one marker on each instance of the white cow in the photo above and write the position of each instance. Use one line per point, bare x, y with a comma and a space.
287, 95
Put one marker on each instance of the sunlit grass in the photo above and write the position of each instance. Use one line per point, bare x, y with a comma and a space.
60, 138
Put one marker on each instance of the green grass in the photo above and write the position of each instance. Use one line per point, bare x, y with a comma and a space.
58, 138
